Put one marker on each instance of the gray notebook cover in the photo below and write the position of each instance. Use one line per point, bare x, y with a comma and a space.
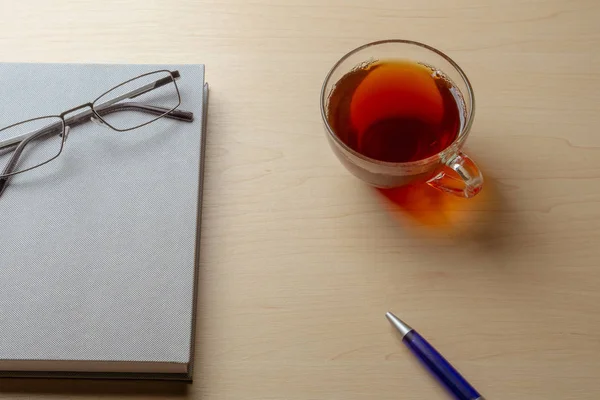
98, 260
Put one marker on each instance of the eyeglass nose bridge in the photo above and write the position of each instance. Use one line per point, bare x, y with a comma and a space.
82, 117
86, 105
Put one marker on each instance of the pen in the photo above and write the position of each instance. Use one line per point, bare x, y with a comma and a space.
437, 365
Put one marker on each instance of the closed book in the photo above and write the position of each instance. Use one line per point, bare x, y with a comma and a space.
100, 247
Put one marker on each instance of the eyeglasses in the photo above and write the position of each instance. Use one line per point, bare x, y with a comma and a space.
30, 144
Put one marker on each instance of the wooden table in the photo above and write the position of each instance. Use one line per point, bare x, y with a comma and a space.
300, 260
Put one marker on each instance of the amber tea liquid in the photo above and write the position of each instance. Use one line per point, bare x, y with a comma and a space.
396, 111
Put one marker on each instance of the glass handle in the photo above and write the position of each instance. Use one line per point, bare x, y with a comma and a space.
469, 181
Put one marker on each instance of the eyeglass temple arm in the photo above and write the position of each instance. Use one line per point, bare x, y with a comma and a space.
10, 166
180, 115
56, 129
81, 118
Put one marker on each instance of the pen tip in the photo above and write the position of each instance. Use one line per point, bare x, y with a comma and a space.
400, 325
390, 317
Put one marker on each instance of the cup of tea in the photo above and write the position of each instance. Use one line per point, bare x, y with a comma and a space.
398, 112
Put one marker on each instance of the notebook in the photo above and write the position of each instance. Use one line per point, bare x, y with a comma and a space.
99, 256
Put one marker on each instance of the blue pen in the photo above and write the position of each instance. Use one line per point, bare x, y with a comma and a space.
437, 365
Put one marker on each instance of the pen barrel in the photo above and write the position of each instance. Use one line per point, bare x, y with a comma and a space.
440, 368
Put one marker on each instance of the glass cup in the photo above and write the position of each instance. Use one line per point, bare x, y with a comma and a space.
450, 170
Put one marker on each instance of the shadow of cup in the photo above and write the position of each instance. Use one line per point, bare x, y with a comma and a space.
434, 212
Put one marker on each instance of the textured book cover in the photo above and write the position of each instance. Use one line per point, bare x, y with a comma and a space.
99, 251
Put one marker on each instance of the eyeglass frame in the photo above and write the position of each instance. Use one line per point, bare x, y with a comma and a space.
63, 127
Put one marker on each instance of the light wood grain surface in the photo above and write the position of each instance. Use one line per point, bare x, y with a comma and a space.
300, 261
